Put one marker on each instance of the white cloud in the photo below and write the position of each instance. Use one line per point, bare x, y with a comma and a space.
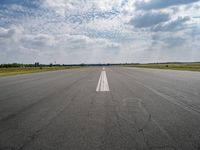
172, 25
38, 41
85, 31
157, 4
149, 19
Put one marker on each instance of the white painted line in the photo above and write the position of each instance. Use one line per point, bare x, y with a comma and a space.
99, 83
102, 85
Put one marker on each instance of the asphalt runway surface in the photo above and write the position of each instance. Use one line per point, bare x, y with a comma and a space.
95, 108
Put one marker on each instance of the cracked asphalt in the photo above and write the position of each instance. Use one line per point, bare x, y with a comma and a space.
145, 109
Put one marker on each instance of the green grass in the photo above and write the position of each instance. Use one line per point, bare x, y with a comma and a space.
20, 70
172, 66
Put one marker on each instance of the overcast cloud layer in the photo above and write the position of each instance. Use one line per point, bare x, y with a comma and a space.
99, 31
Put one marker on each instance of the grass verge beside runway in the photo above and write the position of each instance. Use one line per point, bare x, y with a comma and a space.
26, 70
172, 66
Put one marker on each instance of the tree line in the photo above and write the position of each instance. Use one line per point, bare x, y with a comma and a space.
36, 64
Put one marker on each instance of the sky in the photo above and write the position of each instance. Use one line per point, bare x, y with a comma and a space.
99, 31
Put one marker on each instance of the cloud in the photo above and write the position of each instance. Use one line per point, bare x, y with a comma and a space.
170, 42
174, 41
74, 31
157, 4
91, 16
6, 33
38, 41
149, 19
32, 3
10, 34
172, 25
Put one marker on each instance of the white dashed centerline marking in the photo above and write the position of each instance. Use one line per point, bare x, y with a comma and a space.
102, 85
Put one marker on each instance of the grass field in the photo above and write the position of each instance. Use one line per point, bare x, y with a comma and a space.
20, 70
172, 66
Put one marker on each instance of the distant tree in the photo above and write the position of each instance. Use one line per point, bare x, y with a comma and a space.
37, 64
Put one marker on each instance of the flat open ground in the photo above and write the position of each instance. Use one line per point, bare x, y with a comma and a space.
95, 108
27, 70
171, 66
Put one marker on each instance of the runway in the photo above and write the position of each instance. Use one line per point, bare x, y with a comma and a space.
96, 108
